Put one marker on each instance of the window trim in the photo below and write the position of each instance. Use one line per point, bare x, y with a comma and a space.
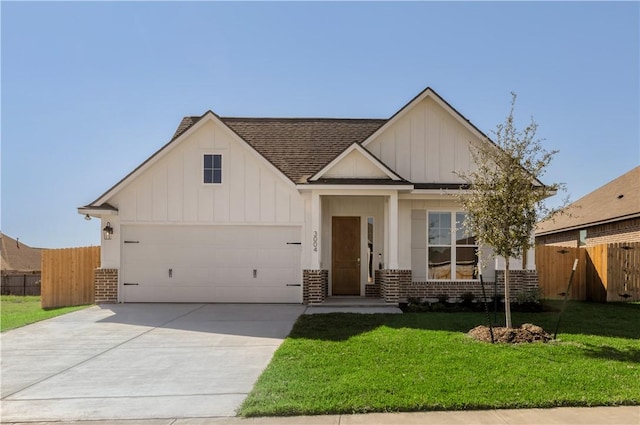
452, 246
202, 179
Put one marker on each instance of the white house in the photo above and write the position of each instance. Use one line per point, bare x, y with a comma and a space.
294, 210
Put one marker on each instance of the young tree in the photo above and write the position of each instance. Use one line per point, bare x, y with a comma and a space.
505, 196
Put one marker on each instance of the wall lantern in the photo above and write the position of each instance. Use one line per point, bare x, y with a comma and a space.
107, 231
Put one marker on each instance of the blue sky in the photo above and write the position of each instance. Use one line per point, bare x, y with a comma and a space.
91, 89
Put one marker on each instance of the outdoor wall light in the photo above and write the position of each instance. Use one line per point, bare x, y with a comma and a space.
107, 231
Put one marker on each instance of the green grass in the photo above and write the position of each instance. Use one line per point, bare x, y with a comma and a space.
348, 363
16, 311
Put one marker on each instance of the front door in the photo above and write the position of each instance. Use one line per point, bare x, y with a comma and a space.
345, 248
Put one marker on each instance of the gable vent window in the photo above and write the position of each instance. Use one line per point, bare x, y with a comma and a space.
213, 168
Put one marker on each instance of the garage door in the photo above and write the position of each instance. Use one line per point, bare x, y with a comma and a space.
244, 264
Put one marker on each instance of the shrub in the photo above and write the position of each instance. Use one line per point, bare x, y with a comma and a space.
443, 298
467, 299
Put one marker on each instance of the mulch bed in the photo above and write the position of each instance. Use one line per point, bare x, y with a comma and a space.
523, 334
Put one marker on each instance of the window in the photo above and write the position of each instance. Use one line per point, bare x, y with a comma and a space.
582, 237
451, 251
212, 168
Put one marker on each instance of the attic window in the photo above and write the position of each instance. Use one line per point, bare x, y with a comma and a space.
212, 168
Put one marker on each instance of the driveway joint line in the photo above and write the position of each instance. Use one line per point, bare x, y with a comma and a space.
99, 354
115, 397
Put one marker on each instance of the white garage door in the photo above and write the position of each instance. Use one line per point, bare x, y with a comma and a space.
244, 264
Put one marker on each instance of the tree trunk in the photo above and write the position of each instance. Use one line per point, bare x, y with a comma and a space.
507, 298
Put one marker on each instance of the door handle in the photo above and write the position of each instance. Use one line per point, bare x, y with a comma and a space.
170, 273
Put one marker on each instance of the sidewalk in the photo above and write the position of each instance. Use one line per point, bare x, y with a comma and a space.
623, 415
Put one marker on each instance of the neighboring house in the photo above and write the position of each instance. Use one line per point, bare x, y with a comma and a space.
609, 214
292, 210
20, 267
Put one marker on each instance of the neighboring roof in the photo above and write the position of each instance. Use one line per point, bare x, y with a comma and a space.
300, 147
17, 256
615, 201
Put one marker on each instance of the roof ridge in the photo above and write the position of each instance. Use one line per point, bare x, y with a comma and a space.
303, 119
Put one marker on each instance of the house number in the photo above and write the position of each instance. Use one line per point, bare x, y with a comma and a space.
315, 241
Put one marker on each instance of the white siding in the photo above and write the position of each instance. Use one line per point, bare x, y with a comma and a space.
419, 245
171, 190
426, 145
355, 165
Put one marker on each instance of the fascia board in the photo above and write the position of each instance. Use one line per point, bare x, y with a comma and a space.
96, 212
349, 187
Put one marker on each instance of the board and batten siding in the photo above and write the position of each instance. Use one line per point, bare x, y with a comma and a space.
357, 166
172, 189
425, 145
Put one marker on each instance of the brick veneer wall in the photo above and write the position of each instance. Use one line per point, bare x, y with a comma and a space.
373, 290
567, 239
106, 286
521, 281
315, 286
620, 231
390, 283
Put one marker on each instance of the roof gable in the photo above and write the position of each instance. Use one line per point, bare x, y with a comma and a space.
355, 162
426, 93
188, 126
617, 200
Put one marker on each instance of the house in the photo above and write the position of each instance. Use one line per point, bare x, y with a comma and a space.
609, 214
20, 267
294, 210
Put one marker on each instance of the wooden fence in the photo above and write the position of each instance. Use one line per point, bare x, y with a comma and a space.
608, 272
20, 284
68, 276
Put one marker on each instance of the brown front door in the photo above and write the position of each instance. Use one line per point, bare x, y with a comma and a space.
345, 248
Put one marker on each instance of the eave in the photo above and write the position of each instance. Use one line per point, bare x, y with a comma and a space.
98, 210
589, 224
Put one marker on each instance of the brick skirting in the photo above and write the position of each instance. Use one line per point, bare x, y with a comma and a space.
390, 283
106, 286
521, 281
315, 286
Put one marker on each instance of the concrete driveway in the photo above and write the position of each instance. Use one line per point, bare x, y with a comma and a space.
140, 361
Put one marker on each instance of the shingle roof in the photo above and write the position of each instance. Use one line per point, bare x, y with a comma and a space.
300, 147
184, 125
17, 256
616, 200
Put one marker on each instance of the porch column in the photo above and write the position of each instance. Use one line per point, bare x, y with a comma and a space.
393, 232
316, 216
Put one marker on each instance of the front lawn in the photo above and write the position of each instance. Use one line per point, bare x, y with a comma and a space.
350, 363
16, 311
